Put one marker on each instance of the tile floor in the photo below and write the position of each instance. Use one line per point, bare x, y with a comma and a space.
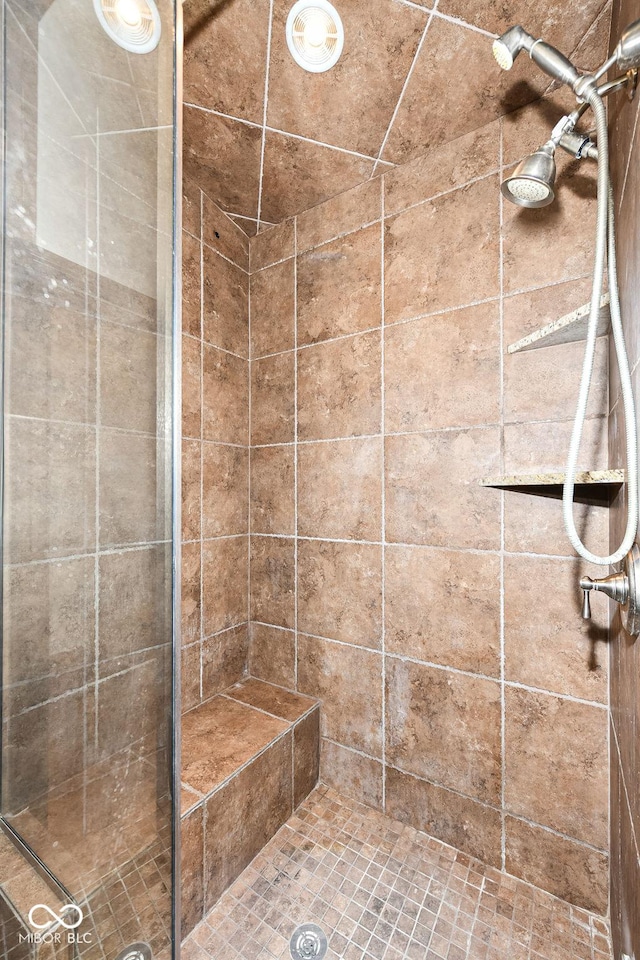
380, 889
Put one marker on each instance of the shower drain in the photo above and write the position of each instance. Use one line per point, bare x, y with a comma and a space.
308, 942
136, 951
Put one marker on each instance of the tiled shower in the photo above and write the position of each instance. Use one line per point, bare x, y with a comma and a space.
274, 388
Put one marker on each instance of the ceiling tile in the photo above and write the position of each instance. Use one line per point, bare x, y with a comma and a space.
223, 157
456, 86
298, 174
352, 104
560, 22
225, 55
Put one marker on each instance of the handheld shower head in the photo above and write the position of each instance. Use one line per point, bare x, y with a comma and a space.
628, 50
531, 183
507, 47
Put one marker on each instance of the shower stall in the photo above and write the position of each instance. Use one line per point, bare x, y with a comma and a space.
295, 661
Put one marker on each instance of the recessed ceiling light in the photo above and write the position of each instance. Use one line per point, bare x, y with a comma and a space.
315, 35
132, 24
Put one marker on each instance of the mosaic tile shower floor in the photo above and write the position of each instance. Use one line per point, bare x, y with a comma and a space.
380, 889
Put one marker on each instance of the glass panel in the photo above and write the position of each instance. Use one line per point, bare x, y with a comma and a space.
87, 511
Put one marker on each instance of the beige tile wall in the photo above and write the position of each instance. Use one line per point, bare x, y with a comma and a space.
437, 620
215, 455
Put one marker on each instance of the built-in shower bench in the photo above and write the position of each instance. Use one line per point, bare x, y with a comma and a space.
250, 756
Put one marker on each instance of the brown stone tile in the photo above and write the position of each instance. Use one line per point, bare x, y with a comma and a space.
271, 699
340, 591
445, 167
129, 703
565, 789
51, 357
433, 110
191, 872
190, 677
273, 309
299, 174
134, 611
50, 485
339, 215
221, 736
272, 654
339, 287
191, 387
273, 580
524, 130
366, 81
565, 868
339, 388
191, 201
556, 650
444, 727
339, 489
224, 660
215, 43
223, 157
427, 266
272, 490
130, 465
543, 447
554, 252
191, 489
472, 827
188, 799
533, 524
338, 674
224, 583
432, 491
306, 756
273, 399
191, 306
443, 606
245, 814
353, 774
443, 371
191, 575
270, 246
225, 397
225, 488
224, 234
226, 304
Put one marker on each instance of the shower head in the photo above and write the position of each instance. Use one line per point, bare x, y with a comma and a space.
507, 47
531, 183
628, 50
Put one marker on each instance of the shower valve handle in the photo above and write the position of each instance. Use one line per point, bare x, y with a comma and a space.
623, 587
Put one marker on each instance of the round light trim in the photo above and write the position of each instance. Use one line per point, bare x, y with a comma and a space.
315, 35
133, 24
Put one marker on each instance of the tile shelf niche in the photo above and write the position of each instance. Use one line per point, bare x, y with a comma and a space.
568, 329
598, 487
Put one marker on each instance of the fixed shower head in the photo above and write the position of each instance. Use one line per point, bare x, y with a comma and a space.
507, 47
628, 50
531, 183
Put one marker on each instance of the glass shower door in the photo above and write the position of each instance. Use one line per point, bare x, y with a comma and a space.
86, 773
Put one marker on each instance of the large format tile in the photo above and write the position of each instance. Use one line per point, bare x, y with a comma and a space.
191, 602
224, 583
131, 471
192, 869
270, 699
224, 659
272, 654
273, 309
559, 786
273, 399
340, 591
225, 389
353, 774
219, 737
443, 606
348, 681
444, 727
342, 214
339, 388
306, 755
225, 490
225, 304
273, 580
273, 490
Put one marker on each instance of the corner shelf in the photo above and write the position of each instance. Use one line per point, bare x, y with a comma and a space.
568, 329
595, 487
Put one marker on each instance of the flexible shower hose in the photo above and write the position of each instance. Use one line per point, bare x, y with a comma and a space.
605, 247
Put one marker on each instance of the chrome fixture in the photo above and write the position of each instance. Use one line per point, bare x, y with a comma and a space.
136, 951
623, 587
531, 184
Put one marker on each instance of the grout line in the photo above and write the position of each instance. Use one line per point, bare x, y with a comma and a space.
264, 114
223, 256
632, 150
406, 82
503, 712
249, 494
201, 445
383, 497
295, 449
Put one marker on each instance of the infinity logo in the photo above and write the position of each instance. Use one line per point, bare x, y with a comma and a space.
69, 908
